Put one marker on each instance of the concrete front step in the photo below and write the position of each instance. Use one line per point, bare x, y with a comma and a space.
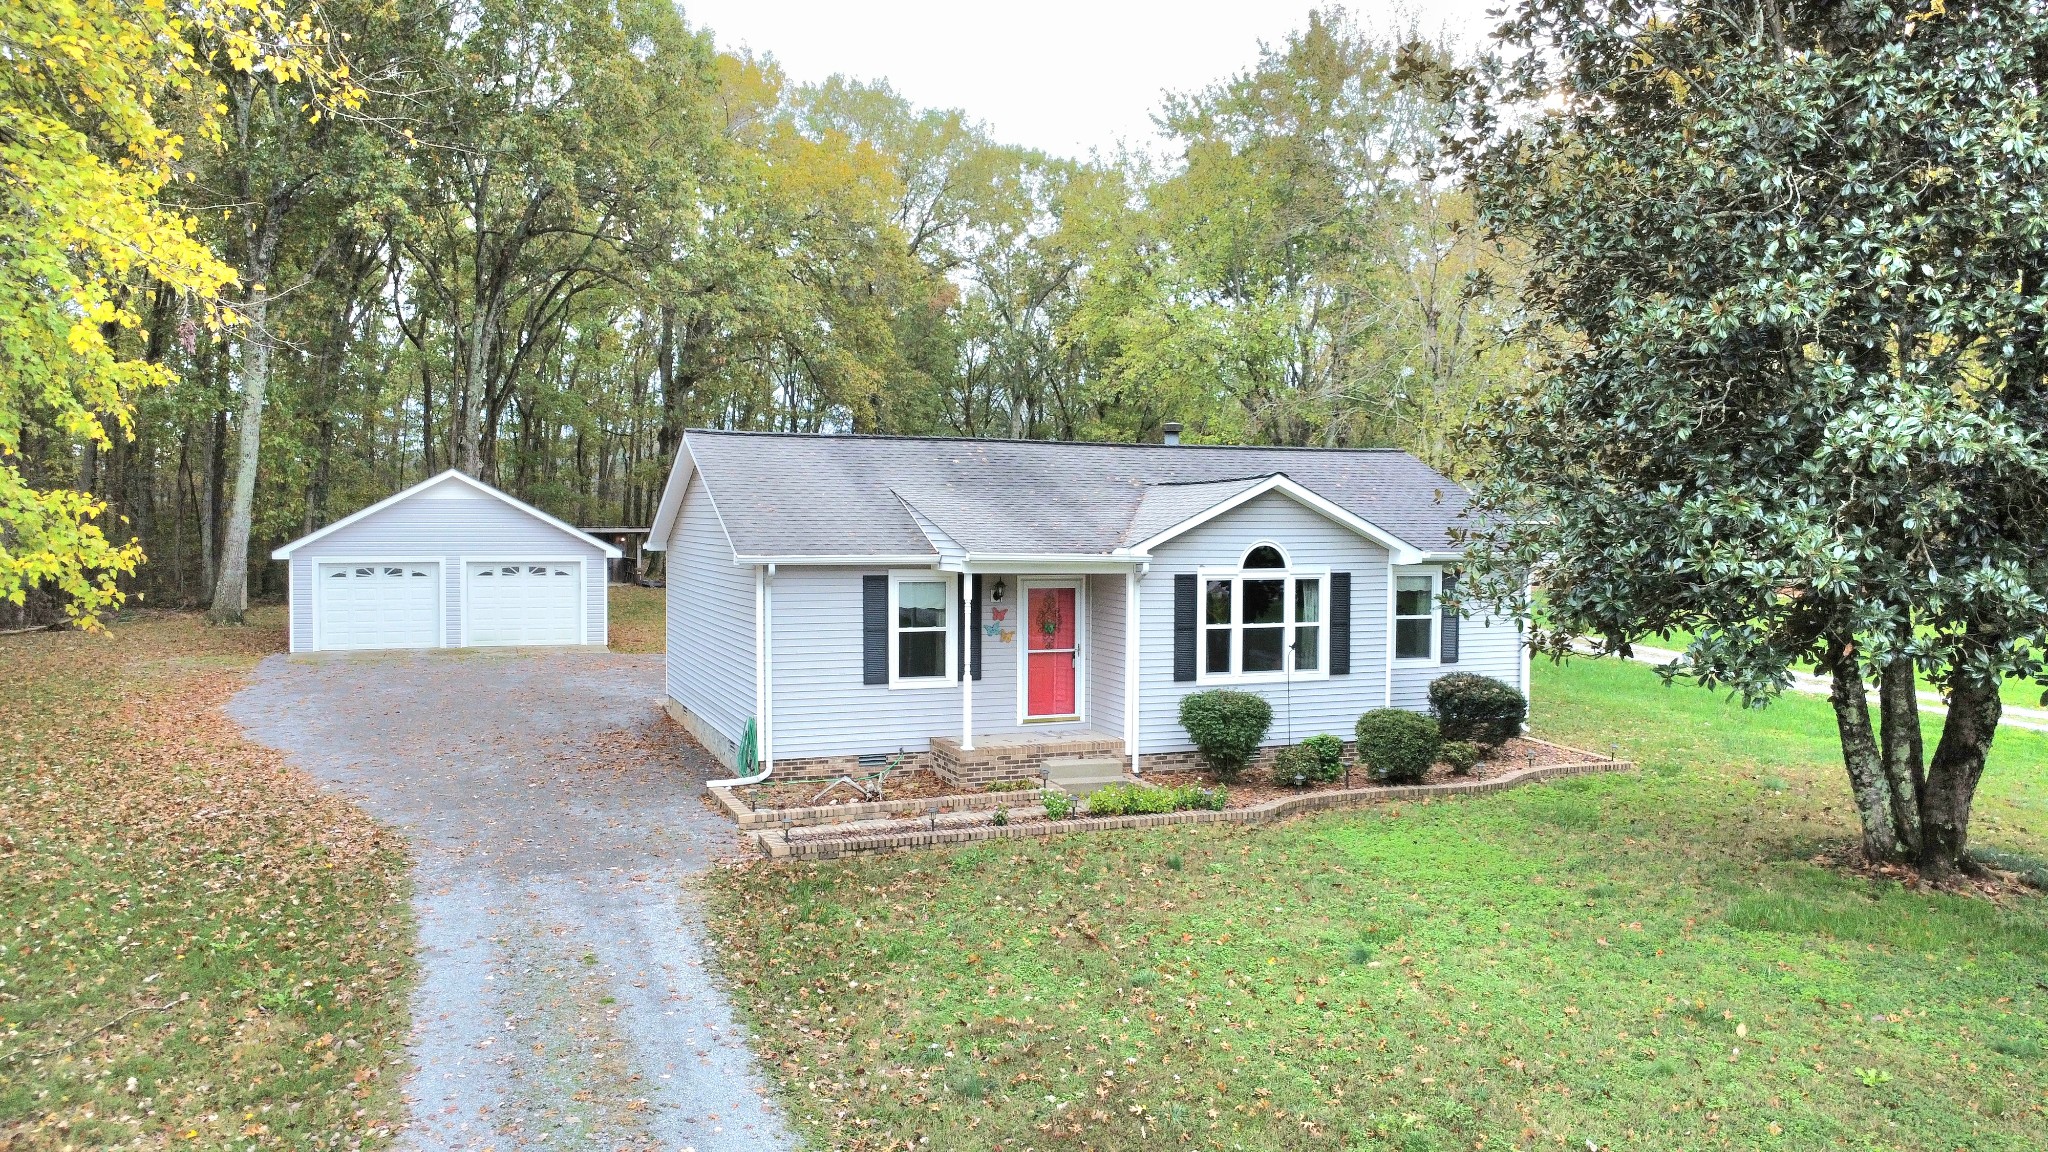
1080, 776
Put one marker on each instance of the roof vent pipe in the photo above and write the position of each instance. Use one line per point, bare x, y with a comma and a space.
1172, 433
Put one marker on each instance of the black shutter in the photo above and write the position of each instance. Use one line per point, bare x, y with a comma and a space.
1340, 623
1184, 627
970, 629
1448, 650
974, 629
874, 621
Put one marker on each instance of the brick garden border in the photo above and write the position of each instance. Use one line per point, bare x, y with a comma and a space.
750, 818
776, 845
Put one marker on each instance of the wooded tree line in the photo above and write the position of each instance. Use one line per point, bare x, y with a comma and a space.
551, 234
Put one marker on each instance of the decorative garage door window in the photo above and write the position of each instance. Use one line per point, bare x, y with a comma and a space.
378, 605
524, 602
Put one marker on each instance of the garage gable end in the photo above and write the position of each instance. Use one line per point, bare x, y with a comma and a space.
446, 564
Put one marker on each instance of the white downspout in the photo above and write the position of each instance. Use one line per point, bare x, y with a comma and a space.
764, 684
1132, 647
963, 662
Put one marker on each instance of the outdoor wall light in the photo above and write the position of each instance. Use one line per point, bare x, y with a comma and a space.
996, 594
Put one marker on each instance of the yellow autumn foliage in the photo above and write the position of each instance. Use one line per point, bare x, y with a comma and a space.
85, 151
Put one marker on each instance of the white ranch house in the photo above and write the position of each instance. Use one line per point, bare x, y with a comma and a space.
984, 605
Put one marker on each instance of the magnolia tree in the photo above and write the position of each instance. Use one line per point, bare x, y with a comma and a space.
1787, 287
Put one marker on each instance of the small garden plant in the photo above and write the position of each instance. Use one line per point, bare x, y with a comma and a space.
1058, 805
1477, 708
1397, 746
1461, 755
1145, 799
1227, 726
1316, 760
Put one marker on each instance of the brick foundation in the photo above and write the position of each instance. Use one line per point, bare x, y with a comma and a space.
1014, 760
829, 767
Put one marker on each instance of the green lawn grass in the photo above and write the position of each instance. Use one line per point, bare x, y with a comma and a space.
1642, 960
637, 618
199, 947
2015, 691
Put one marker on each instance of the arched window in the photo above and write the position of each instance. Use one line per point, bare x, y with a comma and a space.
1263, 620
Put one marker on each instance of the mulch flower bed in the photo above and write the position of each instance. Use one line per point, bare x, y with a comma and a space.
1255, 786
912, 784
1252, 787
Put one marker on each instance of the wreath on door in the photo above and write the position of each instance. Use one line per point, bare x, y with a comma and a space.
1049, 618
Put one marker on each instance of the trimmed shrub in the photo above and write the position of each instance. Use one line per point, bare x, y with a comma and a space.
1057, 803
1316, 760
1461, 755
1227, 726
1477, 708
1397, 746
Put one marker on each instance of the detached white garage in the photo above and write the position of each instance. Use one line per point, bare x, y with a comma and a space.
450, 562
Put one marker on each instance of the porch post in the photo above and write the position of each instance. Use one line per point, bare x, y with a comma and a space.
961, 661
1131, 678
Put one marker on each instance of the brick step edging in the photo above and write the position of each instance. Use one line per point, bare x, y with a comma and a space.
777, 846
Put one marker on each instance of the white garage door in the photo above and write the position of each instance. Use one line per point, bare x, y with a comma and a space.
371, 605
525, 603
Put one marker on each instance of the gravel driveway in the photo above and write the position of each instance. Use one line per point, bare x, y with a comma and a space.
562, 1001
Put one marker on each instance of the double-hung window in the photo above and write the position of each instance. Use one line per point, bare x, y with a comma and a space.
920, 629
1263, 620
1415, 616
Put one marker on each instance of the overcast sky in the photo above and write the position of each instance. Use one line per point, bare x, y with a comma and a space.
1065, 76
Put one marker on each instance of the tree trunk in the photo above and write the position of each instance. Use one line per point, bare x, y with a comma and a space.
209, 516
1952, 776
1860, 756
1903, 753
231, 591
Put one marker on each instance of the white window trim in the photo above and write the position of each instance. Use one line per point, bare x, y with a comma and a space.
1435, 617
1080, 713
440, 578
1237, 574
462, 564
951, 665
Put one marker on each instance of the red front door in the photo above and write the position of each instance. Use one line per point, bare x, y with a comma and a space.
1050, 652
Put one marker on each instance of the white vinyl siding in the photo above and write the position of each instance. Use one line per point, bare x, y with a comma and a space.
710, 602
1488, 645
823, 709
1302, 707
448, 522
1106, 653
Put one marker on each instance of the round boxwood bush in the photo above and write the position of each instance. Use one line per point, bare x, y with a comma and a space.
1227, 726
1477, 708
1461, 755
1316, 760
1397, 746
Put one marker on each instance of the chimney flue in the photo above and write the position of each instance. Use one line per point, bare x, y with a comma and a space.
1172, 433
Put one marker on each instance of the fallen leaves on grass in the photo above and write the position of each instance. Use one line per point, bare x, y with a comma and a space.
206, 946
